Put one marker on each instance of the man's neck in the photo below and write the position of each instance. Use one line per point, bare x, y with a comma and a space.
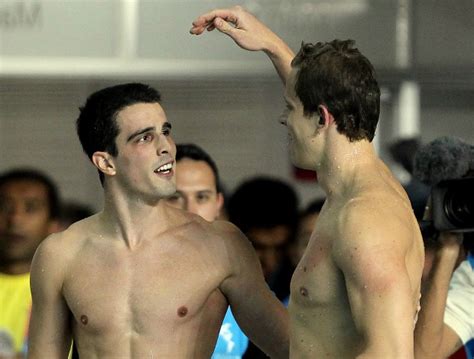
343, 163
132, 219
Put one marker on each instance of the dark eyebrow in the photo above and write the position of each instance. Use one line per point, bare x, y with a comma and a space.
139, 132
166, 126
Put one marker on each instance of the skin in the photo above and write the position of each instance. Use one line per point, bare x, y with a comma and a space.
24, 222
356, 290
306, 226
196, 189
433, 338
142, 279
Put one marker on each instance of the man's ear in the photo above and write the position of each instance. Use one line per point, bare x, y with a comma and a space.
104, 162
325, 117
220, 201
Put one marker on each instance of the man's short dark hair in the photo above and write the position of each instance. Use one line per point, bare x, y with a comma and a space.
337, 75
196, 153
97, 127
33, 175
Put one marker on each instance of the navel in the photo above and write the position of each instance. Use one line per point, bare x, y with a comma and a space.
182, 311
84, 319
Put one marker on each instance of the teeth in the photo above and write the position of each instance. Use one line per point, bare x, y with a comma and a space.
164, 168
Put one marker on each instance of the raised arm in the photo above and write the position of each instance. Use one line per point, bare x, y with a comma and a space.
372, 257
249, 33
433, 338
258, 312
49, 333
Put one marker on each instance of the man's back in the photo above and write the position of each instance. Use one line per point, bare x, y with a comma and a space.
326, 287
143, 302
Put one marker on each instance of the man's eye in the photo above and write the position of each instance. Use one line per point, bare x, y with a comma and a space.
202, 197
146, 138
166, 131
32, 207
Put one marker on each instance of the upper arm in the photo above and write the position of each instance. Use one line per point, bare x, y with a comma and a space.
49, 332
371, 253
257, 310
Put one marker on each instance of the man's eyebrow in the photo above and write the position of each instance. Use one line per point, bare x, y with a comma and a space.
167, 126
139, 132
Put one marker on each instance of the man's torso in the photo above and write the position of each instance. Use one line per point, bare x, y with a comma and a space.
320, 314
159, 299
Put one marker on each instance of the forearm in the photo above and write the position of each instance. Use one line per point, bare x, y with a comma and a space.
281, 56
430, 326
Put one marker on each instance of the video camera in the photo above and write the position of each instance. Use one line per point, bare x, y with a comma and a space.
453, 205
446, 164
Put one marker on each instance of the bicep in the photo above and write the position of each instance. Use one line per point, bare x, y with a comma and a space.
49, 332
380, 297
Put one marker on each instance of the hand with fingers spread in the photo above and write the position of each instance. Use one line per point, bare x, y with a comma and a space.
249, 33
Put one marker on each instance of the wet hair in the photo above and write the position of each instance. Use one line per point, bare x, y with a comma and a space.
33, 175
196, 153
338, 76
263, 202
97, 126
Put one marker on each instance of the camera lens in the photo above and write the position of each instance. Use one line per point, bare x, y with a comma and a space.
459, 206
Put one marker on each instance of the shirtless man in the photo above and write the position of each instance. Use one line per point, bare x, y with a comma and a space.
355, 292
142, 279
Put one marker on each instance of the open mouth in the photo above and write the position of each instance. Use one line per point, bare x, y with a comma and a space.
165, 169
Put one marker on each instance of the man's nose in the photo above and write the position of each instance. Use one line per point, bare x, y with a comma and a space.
164, 145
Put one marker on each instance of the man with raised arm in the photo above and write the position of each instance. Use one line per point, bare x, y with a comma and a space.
355, 292
141, 279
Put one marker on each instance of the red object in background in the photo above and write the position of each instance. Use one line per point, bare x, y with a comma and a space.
304, 175
460, 354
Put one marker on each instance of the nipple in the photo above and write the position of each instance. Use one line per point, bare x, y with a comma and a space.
84, 319
303, 291
182, 311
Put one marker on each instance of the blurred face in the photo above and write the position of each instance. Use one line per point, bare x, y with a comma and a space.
24, 220
146, 152
196, 190
302, 130
269, 245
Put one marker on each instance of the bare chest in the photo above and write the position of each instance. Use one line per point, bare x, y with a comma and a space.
316, 280
142, 292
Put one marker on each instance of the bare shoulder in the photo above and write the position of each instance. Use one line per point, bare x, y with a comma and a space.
376, 224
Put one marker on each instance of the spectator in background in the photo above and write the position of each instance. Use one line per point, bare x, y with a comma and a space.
198, 191
266, 210
29, 206
403, 152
